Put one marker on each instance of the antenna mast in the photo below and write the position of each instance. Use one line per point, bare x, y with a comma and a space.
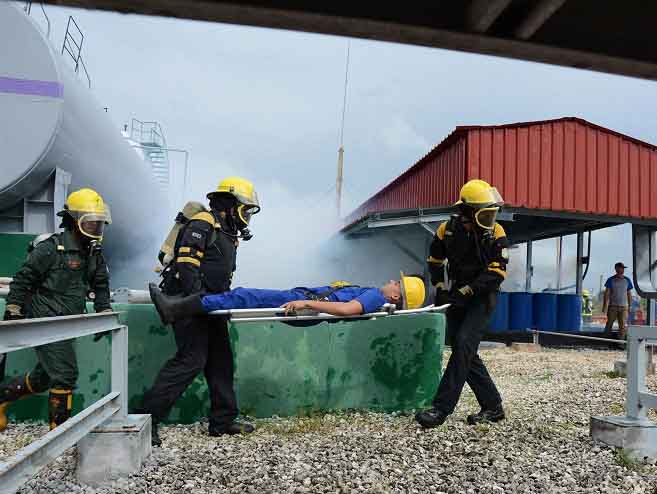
339, 178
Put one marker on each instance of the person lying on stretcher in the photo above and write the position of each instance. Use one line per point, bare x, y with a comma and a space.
338, 299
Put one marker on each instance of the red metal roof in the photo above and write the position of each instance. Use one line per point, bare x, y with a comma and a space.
565, 164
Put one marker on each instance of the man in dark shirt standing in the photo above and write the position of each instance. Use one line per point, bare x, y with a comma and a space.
618, 300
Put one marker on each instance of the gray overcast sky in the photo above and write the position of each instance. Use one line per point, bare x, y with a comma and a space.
266, 103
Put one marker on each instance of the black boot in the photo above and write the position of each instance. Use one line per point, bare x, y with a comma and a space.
491, 415
155, 433
231, 429
173, 308
13, 390
60, 403
431, 418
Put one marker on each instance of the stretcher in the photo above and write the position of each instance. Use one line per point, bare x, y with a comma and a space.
278, 314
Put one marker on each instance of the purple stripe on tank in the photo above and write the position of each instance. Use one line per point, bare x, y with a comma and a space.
31, 87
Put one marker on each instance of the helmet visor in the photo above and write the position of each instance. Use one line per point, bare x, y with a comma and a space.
93, 224
496, 197
250, 201
487, 217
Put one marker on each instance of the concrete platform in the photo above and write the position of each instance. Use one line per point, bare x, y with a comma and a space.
620, 368
637, 438
114, 450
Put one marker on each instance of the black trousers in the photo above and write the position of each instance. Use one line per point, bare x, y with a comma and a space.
203, 346
465, 328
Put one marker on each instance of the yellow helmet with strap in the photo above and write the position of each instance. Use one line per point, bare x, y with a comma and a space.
87, 208
484, 199
413, 291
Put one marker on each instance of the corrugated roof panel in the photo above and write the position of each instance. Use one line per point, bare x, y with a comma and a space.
566, 164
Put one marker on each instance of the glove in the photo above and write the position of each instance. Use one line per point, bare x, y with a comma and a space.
442, 295
13, 313
461, 296
99, 336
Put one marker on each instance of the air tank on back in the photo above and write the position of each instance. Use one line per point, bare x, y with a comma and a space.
51, 120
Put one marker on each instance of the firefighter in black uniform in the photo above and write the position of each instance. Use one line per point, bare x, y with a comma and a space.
474, 248
204, 262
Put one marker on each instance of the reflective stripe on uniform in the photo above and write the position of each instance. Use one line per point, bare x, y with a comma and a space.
440, 233
207, 217
189, 260
498, 271
433, 260
192, 252
498, 231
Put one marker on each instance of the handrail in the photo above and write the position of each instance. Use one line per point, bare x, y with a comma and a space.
27, 333
28, 11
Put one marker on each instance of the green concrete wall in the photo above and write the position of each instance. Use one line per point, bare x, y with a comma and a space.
13, 247
388, 364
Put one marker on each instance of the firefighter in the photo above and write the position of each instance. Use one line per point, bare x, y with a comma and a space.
203, 262
473, 248
60, 272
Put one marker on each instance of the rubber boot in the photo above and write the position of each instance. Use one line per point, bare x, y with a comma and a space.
60, 403
14, 390
171, 309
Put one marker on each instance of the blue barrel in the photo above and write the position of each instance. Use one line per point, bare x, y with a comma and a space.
545, 311
520, 311
569, 312
500, 320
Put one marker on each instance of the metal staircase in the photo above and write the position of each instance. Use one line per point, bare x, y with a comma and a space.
150, 137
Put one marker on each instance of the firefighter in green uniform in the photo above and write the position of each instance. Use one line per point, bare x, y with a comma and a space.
60, 272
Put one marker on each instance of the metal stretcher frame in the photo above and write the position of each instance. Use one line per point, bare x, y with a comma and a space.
271, 314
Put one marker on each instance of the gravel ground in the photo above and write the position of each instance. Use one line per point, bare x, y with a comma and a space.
543, 446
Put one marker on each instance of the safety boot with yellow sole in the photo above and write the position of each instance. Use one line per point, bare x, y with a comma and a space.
60, 403
13, 390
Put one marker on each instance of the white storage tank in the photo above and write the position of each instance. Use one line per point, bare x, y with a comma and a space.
50, 119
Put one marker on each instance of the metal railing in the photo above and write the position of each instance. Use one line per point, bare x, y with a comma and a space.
639, 399
28, 333
28, 11
73, 42
147, 133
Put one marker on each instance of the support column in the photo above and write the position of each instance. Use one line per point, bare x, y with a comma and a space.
580, 265
529, 272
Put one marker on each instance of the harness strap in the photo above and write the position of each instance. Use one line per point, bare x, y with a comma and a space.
324, 296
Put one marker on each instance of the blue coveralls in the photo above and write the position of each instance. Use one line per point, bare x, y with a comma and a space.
254, 298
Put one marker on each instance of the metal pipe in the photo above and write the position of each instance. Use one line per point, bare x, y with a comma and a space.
319, 317
577, 336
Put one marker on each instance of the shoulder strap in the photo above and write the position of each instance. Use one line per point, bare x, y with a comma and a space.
42, 238
324, 296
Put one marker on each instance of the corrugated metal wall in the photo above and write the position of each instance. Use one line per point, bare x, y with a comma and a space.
566, 165
435, 180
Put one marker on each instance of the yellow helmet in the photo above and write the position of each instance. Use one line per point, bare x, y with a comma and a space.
412, 289
485, 199
87, 208
244, 192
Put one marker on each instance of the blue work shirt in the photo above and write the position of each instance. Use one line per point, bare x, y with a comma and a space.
251, 298
370, 298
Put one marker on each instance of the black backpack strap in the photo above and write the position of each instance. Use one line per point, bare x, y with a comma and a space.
324, 296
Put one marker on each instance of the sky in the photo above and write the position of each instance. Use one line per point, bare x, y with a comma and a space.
266, 104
